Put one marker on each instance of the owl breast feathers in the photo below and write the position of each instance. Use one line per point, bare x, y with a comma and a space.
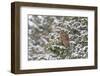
64, 38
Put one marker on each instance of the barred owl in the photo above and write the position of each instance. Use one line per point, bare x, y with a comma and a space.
64, 38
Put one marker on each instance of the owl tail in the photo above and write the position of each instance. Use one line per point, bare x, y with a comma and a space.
66, 44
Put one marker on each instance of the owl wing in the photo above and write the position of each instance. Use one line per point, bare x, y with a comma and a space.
66, 40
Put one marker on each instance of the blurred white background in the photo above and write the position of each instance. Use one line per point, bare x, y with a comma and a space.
5, 39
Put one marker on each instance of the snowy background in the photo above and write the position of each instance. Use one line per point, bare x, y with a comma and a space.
44, 38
